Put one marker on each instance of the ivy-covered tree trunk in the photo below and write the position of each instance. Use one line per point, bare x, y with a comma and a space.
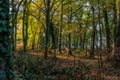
5, 53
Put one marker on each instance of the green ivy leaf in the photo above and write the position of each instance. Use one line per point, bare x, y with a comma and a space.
2, 76
1, 1
1, 59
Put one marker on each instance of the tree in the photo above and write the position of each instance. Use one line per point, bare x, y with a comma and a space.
107, 28
47, 26
25, 25
69, 25
94, 31
50, 29
60, 29
117, 36
15, 10
5, 31
100, 33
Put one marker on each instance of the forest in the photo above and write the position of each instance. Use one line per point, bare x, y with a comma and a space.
59, 39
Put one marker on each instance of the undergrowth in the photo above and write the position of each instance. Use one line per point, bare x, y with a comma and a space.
36, 68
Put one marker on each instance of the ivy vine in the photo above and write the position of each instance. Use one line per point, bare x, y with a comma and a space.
6, 72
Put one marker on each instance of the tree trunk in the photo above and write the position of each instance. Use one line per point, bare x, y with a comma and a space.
75, 40
13, 24
33, 41
25, 27
14, 21
69, 44
5, 53
84, 39
93, 34
114, 19
60, 30
47, 28
100, 33
117, 36
69, 34
108, 39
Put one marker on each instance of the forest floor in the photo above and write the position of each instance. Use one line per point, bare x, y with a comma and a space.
107, 70
65, 61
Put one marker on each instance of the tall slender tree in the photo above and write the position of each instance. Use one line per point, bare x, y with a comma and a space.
60, 29
15, 10
94, 31
100, 33
47, 26
107, 28
25, 25
117, 36
69, 25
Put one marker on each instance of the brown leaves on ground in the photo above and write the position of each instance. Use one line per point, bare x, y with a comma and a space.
71, 61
